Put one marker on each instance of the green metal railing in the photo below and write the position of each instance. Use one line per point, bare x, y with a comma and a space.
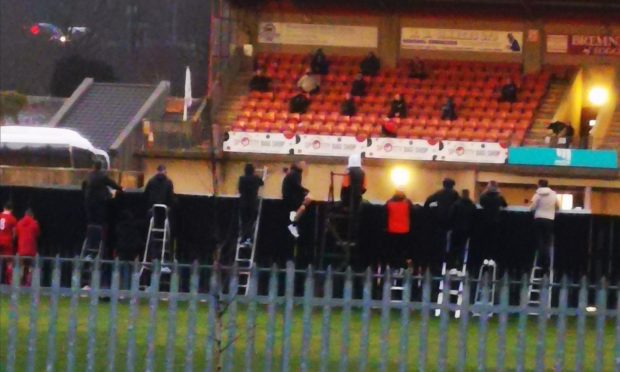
193, 319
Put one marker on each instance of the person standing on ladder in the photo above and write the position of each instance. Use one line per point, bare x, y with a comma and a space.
398, 212
248, 187
159, 189
295, 196
463, 214
544, 205
351, 191
492, 203
439, 205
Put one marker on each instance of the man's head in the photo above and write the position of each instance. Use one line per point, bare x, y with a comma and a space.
510, 37
448, 183
308, 71
347, 96
300, 165
161, 169
371, 54
8, 206
397, 97
249, 169
259, 72
543, 183
97, 165
492, 186
465, 194
29, 212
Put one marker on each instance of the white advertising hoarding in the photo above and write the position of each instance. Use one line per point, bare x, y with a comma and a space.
319, 35
461, 40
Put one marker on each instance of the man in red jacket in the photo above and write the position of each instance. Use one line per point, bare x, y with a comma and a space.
398, 226
7, 235
27, 234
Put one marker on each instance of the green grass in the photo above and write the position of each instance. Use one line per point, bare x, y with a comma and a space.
239, 345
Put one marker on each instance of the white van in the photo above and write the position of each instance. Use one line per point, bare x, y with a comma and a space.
48, 147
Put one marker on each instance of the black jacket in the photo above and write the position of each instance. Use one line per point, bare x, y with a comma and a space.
398, 107
298, 104
260, 83
509, 93
95, 187
358, 88
293, 193
444, 199
248, 190
348, 108
370, 66
492, 203
159, 190
462, 214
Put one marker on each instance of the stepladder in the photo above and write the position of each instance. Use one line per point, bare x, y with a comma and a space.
158, 242
453, 279
92, 249
537, 280
486, 274
245, 249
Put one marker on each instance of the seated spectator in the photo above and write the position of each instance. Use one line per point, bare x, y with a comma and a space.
309, 83
318, 63
260, 82
513, 43
508, 92
388, 129
370, 65
358, 87
563, 133
347, 108
448, 111
417, 69
299, 104
398, 107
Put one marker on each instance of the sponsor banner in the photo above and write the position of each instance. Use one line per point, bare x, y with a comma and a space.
596, 45
320, 35
461, 40
473, 152
260, 143
328, 145
605, 159
405, 149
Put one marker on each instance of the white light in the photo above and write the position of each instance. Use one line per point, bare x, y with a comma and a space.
400, 176
592, 122
63, 39
598, 96
566, 201
591, 309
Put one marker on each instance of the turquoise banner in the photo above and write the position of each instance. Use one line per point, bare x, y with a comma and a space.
606, 159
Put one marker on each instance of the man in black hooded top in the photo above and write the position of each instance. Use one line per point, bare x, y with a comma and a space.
159, 189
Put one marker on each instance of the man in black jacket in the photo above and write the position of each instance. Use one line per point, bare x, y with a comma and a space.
159, 189
295, 196
299, 104
347, 108
260, 82
248, 187
96, 194
318, 63
492, 202
370, 65
398, 108
439, 206
358, 87
462, 215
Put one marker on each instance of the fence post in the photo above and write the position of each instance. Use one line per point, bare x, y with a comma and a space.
92, 315
53, 317
172, 317
327, 307
364, 338
229, 348
601, 310
503, 321
581, 324
426, 309
271, 318
385, 320
34, 313
617, 342
153, 292
73, 315
346, 321
13, 314
561, 326
288, 315
442, 355
463, 325
483, 329
404, 323
542, 324
250, 328
522, 324
214, 335
114, 295
306, 319
131, 322
192, 310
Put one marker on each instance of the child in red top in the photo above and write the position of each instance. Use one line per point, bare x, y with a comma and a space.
7, 234
27, 234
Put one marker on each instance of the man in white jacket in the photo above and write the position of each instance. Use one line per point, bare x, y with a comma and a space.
544, 204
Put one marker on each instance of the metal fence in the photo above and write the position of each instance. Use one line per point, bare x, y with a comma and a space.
293, 320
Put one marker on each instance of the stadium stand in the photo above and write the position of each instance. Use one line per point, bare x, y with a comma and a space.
473, 85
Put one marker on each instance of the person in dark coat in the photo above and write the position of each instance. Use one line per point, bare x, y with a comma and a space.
347, 108
448, 111
295, 196
508, 92
462, 215
398, 107
370, 65
97, 194
248, 187
260, 82
318, 63
159, 189
358, 87
492, 203
513, 44
439, 206
299, 104
417, 69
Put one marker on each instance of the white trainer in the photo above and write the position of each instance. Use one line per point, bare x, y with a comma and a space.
293, 230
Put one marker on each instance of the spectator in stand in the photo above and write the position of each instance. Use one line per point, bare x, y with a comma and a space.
248, 187
448, 111
417, 69
398, 211
318, 63
260, 82
544, 205
7, 236
358, 87
562, 134
439, 206
299, 104
462, 215
295, 196
370, 65
347, 108
309, 83
27, 232
398, 107
492, 202
513, 43
508, 92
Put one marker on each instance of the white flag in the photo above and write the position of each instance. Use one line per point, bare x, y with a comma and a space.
187, 101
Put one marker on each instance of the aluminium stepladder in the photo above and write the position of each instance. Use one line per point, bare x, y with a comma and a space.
449, 279
158, 241
489, 267
92, 248
535, 287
